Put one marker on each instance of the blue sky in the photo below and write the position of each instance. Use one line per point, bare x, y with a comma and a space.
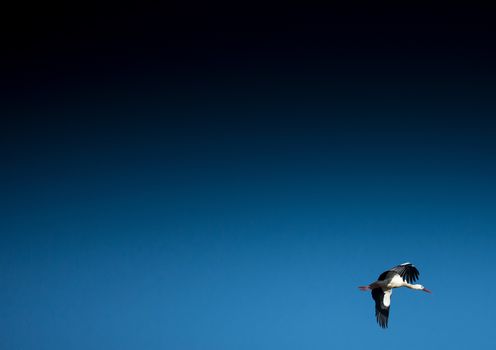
184, 178
224, 233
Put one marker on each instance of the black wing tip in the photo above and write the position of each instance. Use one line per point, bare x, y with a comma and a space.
382, 321
408, 271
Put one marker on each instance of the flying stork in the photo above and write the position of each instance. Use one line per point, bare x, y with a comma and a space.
396, 277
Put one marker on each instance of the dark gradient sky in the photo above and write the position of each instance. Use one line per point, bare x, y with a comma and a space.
224, 178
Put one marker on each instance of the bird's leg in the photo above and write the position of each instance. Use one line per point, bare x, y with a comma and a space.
364, 288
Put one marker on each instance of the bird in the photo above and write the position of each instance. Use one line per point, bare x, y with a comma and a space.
399, 276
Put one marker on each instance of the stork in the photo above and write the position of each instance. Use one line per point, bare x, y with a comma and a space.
399, 276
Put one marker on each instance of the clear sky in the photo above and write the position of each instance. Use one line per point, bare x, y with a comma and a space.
242, 211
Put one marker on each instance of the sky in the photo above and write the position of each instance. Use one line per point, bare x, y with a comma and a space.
183, 179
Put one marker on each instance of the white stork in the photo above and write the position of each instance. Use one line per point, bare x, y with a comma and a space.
396, 277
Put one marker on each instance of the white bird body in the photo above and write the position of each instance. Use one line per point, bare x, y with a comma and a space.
382, 289
396, 282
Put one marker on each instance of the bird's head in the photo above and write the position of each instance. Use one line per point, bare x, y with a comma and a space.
421, 287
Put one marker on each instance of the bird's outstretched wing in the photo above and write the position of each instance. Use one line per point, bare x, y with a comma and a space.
382, 301
407, 271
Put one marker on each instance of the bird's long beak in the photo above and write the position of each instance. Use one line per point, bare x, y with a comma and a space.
426, 290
